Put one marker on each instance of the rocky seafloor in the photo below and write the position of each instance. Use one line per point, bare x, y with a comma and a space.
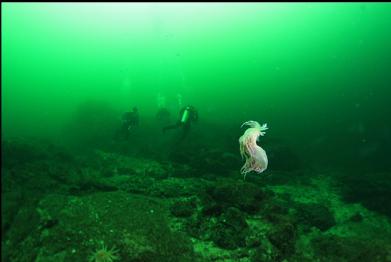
110, 206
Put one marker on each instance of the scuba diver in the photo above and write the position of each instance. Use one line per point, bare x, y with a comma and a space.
163, 115
187, 115
129, 121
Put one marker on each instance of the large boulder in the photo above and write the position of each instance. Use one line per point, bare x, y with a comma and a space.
76, 228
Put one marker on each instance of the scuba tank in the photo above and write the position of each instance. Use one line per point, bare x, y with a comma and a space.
185, 115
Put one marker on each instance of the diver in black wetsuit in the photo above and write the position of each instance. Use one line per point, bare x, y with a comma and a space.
163, 116
129, 121
187, 115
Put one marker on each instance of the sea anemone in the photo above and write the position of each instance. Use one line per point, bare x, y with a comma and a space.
104, 255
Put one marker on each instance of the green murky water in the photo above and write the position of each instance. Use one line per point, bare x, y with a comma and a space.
317, 73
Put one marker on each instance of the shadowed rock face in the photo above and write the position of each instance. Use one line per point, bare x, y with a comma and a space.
246, 197
373, 190
315, 215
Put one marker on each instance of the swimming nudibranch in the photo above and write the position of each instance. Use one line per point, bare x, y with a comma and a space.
256, 158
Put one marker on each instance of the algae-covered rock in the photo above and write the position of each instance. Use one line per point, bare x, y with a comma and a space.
335, 248
316, 215
19, 152
263, 254
283, 237
126, 165
183, 208
242, 195
22, 234
177, 187
230, 230
135, 225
